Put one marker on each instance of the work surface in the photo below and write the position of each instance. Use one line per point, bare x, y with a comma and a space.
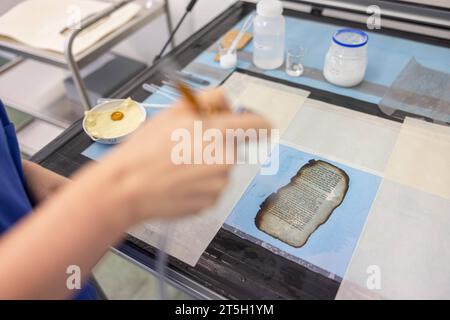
235, 265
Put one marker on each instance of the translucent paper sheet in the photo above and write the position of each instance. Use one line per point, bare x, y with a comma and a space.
350, 137
277, 102
191, 236
404, 251
421, 91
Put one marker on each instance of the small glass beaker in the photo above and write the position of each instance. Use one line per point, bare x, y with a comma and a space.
294, 61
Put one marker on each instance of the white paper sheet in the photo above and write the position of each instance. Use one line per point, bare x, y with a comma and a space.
38, 23
354, 138
421, 157
404, 251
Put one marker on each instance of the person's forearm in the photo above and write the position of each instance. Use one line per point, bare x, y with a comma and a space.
41, 182
137, 181
75, 228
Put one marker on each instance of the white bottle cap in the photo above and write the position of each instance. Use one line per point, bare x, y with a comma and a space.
269, 8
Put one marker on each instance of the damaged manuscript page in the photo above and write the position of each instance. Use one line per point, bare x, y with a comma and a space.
296, 210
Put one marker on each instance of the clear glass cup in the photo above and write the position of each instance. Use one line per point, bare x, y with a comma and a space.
294, 61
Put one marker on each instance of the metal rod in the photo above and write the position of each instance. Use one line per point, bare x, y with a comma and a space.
169, 21
11, 64
68, 52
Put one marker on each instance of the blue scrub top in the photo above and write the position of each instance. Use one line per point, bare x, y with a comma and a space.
14, 200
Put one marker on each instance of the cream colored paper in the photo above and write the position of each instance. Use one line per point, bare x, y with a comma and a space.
404, 251
38, 23
191, 236
421, 158
277, 102
353, 138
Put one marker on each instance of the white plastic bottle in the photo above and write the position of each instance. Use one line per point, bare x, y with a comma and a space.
268, 35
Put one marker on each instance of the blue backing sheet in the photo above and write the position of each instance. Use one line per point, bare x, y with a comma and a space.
331, 246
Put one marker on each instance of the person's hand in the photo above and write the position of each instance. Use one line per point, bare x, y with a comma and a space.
145, 174
138, 180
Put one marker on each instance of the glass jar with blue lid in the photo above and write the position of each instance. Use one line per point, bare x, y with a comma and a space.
346, 59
